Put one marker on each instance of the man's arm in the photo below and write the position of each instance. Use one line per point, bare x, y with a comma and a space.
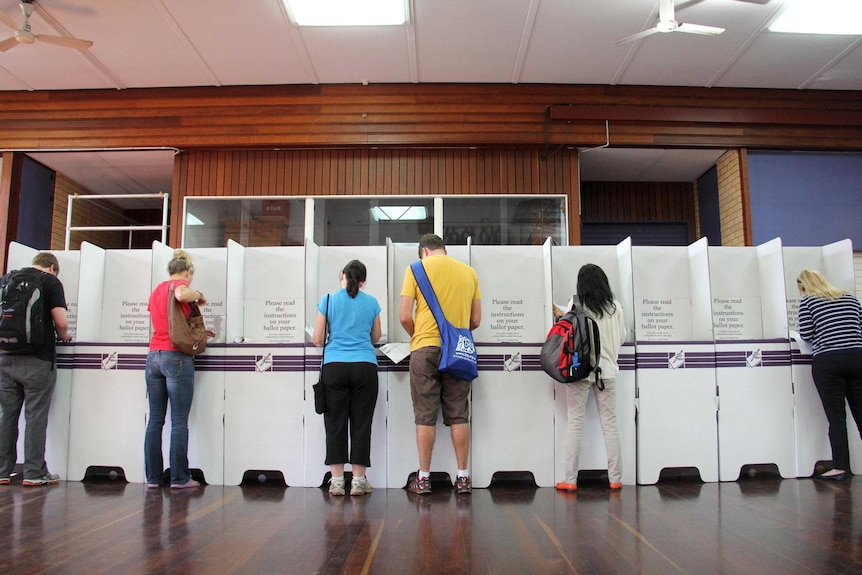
475, 314
405, 314
61, 323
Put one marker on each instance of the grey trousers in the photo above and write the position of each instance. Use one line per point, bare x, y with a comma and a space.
28, 382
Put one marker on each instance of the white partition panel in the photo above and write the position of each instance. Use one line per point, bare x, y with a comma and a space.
514, 324
57, 440
402, 456
835, 261
616, 263
206, 419
325, 266
755, 417
109, 404
263, 399
675, 361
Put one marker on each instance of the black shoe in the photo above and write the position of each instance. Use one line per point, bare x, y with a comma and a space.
836, 477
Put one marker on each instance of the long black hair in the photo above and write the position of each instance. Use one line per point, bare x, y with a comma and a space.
354, 272
594, 291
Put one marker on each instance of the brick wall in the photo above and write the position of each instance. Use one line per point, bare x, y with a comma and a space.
84, 214
731, 198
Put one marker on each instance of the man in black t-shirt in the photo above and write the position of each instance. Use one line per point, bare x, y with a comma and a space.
28, 381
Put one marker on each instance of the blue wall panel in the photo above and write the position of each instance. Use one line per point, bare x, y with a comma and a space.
806, 199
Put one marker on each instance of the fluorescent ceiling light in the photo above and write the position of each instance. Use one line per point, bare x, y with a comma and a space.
398, 213
348, 12
820, 17
193, 220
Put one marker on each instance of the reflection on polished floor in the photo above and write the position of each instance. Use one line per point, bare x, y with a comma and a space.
761, 525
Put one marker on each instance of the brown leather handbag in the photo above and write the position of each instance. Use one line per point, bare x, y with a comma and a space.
188, 334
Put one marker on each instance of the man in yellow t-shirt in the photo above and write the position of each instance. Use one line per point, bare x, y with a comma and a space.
457, 288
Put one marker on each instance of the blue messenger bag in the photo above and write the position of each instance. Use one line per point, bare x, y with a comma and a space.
458, 352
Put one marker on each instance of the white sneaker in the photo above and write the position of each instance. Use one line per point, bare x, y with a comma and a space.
336, 486
359, 486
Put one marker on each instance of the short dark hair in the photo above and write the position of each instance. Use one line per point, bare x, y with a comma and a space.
46, 260
431, 242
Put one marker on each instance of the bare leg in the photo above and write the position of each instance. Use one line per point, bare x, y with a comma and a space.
425, 436
461, 442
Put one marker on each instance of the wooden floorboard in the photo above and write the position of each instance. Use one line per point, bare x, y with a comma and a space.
752, 526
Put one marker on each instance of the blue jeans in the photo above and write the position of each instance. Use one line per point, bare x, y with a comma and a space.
170, 378
25, 381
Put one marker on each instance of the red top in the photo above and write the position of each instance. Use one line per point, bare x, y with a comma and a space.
158, 308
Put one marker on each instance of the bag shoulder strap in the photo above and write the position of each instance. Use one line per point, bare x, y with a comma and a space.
325, 329
428, 292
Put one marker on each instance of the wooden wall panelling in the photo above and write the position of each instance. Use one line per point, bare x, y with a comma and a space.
369, 172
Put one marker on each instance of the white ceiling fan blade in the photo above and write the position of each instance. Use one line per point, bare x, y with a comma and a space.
698, 29
65, 41
7, 20
637, 36
8, 43
665, 10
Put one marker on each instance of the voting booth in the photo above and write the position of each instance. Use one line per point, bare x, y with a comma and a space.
676, 425
323, 269
755, 416
109, 395
57, 433
835, 261
616, 262
264, 362
513, 399
402, 454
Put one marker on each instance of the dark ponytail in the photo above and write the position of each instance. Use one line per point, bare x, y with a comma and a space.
354, 272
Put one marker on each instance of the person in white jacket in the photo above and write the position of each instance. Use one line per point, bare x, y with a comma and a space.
596, 296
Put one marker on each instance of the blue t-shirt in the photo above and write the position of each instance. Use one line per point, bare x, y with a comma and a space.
350, 321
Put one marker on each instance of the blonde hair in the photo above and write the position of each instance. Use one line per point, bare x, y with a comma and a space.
816, 284
181, 262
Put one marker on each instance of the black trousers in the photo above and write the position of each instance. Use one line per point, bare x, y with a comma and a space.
351, 395
838, 378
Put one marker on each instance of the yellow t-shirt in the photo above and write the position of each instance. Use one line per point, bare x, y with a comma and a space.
456, 285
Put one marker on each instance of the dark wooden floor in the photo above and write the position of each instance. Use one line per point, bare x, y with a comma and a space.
751, 526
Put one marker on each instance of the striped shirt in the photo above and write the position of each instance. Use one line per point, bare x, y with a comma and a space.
831, 325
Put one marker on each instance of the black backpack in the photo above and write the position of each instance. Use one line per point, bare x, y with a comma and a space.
22, 312
572, 350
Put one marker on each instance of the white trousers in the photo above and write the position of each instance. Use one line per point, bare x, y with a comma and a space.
577, 395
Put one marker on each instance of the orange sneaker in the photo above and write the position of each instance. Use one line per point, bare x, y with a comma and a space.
563, 486
616, 485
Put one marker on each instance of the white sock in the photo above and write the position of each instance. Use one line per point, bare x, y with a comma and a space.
463, 473
423, 474
339, 478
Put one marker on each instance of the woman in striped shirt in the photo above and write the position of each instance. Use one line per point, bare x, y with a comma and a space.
831, 320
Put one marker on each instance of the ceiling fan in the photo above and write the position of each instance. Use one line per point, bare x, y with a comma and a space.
23, 34
667, 23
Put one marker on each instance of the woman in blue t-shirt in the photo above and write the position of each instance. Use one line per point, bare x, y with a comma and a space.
349, 376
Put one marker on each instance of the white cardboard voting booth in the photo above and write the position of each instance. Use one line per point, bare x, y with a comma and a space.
835, 261
109, 395
264, 362
513, 399
616, 263
323, 266
711, 385
57, 439
755, 417
402, 455
675, 361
